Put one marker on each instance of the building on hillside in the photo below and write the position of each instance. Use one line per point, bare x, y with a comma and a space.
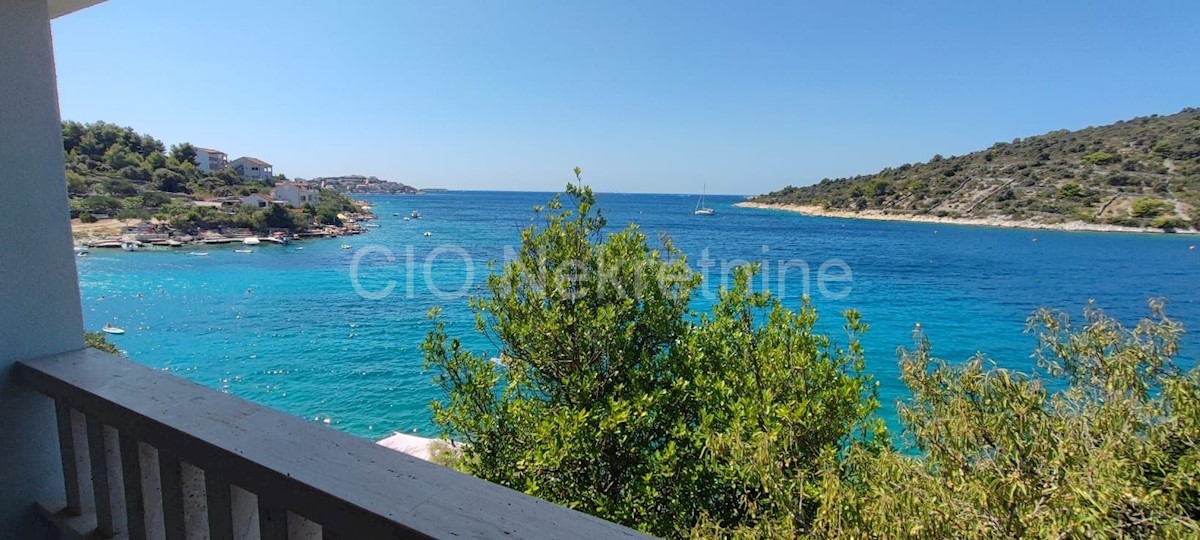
295, 193
209, 160
229, 203
252, 168
257, 200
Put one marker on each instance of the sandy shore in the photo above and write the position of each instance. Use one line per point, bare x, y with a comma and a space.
984, 222
100, 229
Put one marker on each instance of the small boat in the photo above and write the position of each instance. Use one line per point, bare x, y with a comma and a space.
81, 249
110, 329
250, 241
702, 210
243, 251
129, 246
415, 215
406, 218
345, 246
372, 225
394, 214
299, 248
198, 253
427, 233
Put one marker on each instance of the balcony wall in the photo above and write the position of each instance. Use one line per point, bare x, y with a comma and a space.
149, 455
39, 291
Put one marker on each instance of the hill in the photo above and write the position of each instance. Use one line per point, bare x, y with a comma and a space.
1140, 173
117, 172
357, 183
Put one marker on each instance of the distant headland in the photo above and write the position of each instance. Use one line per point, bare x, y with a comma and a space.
1140, 175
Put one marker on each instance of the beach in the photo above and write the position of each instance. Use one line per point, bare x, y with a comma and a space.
876, 215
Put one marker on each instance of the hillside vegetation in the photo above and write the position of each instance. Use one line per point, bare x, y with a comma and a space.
117, 172
1143, 172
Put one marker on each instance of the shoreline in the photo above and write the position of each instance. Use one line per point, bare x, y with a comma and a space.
876, 215
112, 233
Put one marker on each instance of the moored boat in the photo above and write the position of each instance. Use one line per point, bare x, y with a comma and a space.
110, 329
702, 210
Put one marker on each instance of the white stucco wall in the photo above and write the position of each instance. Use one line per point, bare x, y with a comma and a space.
39, 289
208, 162
202, 159
294, 195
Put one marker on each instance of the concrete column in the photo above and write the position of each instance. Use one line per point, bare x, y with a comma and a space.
39, 289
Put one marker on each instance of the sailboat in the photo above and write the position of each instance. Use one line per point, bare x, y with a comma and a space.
702, 210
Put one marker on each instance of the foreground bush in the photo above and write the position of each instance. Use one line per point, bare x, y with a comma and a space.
96, 340
1105, 443
616, 399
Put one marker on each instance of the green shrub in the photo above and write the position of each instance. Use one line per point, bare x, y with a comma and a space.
617, 400
1101, 158
1149, 208
1112, 451
1168, 223
96, 340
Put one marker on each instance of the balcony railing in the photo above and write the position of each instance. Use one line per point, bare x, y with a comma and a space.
146, 454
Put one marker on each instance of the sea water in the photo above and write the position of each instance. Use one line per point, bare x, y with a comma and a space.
332, 335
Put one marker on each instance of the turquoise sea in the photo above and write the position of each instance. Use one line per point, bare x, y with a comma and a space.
284, 326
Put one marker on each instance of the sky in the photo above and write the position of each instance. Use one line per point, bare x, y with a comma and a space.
645, 96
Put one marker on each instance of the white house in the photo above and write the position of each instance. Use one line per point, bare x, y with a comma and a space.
256, 200
295, 193
252, 168
209, 160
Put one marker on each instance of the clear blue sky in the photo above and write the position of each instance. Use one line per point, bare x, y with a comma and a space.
646, 96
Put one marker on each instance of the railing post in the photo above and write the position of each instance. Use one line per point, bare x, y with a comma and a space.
99, 463
131, 479
171, 475
272, 520
220, 506
66, 449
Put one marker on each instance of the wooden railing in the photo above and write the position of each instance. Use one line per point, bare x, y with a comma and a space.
146, 454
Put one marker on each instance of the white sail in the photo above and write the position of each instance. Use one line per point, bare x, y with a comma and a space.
702, 210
